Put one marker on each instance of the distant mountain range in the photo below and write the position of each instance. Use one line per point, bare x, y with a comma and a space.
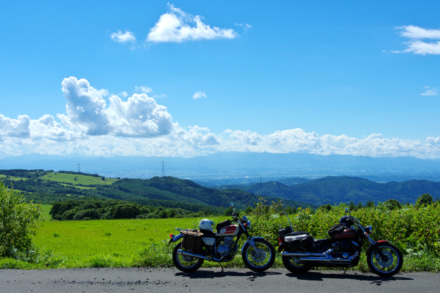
334, 190
238, 168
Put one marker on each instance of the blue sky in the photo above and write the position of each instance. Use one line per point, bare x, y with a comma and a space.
188, 78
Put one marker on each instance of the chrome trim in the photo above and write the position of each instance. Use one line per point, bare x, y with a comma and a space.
186, 253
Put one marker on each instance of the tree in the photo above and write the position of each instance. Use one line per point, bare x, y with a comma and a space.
392, 204
424, 200
18, 223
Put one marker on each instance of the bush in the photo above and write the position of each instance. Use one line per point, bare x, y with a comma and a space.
18, 223
424, 200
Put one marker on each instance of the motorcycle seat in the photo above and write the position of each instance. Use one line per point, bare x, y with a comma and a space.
297, 233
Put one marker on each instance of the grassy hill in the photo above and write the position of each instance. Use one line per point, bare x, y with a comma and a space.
47, 187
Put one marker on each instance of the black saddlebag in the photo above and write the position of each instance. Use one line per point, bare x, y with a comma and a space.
223, 224
283, 232
303, 241
192, 240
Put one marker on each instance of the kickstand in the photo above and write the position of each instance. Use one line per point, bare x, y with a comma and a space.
221, 266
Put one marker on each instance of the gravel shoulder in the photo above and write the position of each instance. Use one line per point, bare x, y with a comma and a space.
208, 280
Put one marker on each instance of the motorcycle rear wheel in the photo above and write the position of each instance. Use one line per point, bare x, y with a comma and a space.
294, 264
259, 258
186, 264
388, 265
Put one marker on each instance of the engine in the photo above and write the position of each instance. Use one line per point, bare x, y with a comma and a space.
226, 247
344, 248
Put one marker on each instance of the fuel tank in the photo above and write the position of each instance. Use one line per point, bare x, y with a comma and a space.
230, 230
346, 234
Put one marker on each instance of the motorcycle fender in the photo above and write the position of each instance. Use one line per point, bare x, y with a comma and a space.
375, 245
175, 238
249, 241
281, 247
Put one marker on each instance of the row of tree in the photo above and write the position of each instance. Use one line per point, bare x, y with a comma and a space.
113, 209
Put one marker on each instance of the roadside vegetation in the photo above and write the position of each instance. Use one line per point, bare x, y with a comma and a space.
414, 229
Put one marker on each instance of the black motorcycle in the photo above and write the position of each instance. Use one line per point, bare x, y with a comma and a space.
200, 244
300, 251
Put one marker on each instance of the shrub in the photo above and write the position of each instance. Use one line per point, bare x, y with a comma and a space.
18, 223
424, 200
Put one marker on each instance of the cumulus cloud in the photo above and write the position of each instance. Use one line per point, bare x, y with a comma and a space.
87, 112
137, 126
421, 40
14, 127
199, 95
120, 37
179, 26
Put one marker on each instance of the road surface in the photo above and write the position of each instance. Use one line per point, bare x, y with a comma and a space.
208, 280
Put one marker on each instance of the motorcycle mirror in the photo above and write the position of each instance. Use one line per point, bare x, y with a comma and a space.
347, 211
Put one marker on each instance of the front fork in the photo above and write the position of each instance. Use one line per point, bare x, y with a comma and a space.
251, 243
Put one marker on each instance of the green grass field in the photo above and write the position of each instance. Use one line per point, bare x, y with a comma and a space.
77, 179
109, 243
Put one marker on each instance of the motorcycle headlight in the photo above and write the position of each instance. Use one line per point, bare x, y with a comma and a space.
369, 229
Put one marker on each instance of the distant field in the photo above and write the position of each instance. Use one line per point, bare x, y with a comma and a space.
76, 179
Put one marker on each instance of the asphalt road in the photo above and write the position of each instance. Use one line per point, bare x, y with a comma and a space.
209, 280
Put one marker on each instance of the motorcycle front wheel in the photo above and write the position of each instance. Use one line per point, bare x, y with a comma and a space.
186, 264
385, 260
259, 258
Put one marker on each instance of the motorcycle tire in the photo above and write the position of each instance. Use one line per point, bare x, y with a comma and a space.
261, 258
186, 264
388, 265
294, 265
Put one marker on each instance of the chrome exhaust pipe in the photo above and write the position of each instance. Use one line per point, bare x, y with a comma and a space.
186, 253
324, 255
303, 254
333, 260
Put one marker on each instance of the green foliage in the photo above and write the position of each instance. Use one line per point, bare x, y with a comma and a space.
111, 209
18, 223
391, 204
407, 228
424, 200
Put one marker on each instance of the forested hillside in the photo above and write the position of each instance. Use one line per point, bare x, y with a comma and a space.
168, 192
343, 189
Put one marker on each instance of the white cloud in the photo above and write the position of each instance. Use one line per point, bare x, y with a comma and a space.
143, 89
179, 26
87, 112
139, 126
199, 95
429, 91
245, 26
414, 32
121, 37
417, 43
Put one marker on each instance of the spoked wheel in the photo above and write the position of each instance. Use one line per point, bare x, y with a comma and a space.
294, 264
185, 263
259, 258
385, 260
